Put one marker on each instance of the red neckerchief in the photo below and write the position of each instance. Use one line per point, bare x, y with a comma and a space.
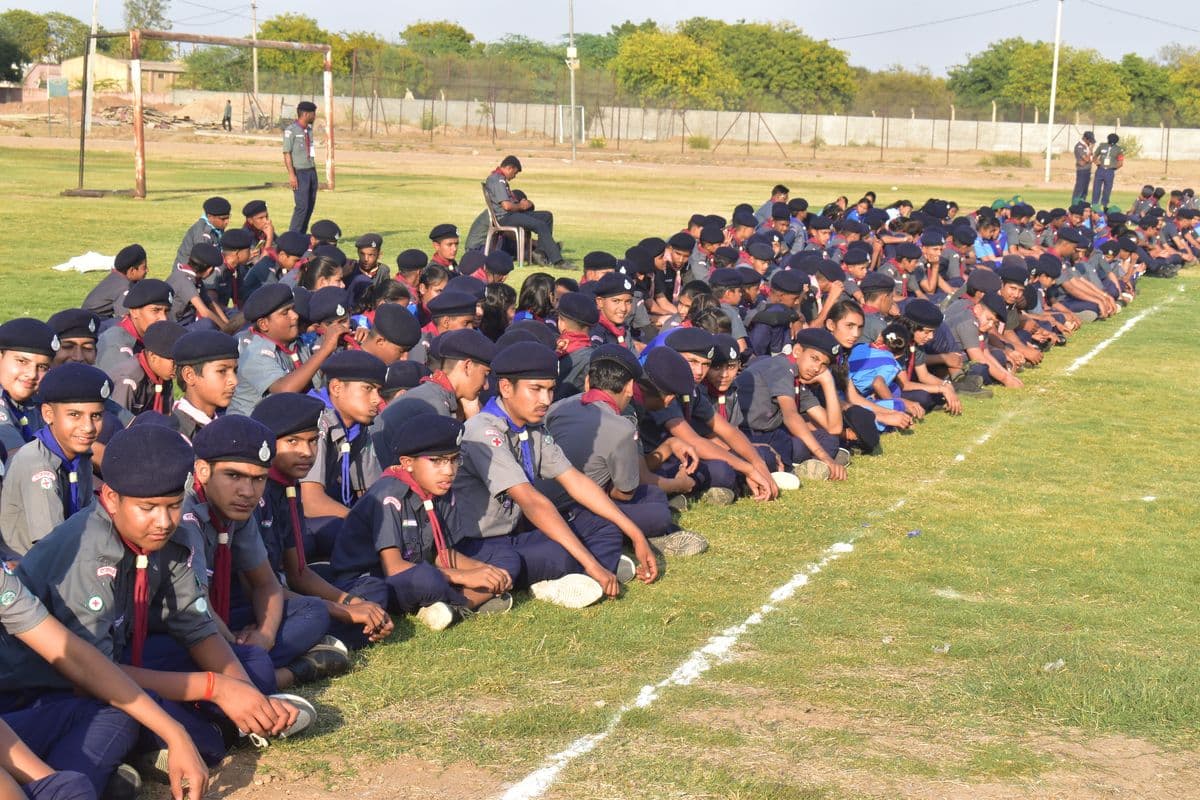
480, 274
912, 360
571, 342
868, 309
429, 328
220, 586
347, 341
796, 379
370, 315
600, 396
292, 352
718, 398
127, 325
290, 489
613, 329
441, 379
158, 384
448, 263
439, 539
141, 600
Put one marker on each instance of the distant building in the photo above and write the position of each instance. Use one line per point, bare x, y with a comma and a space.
157, 76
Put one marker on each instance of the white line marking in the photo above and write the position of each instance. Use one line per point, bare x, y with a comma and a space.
718, 648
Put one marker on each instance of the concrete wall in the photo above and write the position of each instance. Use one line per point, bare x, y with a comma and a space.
793, 131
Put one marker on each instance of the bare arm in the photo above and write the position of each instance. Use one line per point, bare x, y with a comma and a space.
588, 494
543, 516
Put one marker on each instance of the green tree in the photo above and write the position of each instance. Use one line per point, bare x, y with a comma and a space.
150, 15
67, 36
1185, 86
29, 32
897, 89
599, 49
1087, 82
440, 38
982, 79
293, 28
10, 58
673, 70
1150, 89
217, 69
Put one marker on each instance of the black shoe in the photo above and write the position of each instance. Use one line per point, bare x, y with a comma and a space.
319, 663
125, 784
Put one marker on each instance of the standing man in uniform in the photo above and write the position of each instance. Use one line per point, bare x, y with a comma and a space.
299, 152
1083, 166
1109, 158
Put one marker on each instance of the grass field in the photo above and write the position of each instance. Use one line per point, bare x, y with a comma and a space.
1045, 524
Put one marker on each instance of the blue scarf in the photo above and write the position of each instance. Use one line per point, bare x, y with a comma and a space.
72, 464
19, 416
352, 432
493, 407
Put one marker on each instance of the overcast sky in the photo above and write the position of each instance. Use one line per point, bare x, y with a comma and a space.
936, 45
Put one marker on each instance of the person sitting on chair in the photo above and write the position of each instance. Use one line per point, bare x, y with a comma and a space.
512, 211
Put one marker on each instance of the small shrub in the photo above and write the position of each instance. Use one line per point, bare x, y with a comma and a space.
1004, 160
699, 142
598, 143
429, 121
817, 141
1131, 146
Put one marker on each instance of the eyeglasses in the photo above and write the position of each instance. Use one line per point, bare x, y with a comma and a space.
453, 461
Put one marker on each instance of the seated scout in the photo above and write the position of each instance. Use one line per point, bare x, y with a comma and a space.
208, 229
272, 359
614, 299
144, 575
147, 302
289, 250
402, 376
106, 299
577, 315
144, 383
463, 358
191, 301
233, 457
451, 310
76, 330
862, 417
236, 251
27, 346
602, 443
917, 385
445, 246
393, 333
206, 367
366, 271
970, 320
50, 478
357, 607
507, 523
346, 463
403, 531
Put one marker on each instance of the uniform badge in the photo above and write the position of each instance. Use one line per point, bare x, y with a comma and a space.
7, 599
54, 343
264, 452
3, 417
547, 438
190, 517
458, 440
497, 441
94, 603
45, 478
105, 390
91, 326
106, 572
393, 503
201, 605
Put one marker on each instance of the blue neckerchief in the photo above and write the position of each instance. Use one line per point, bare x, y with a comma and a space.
72, 464
352, 432
360, 321
522, 315
493, 407
19, 417
309, 338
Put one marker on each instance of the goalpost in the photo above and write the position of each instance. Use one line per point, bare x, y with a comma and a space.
135, 75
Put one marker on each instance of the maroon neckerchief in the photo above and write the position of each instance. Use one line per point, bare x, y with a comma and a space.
600, 396
347, 340
292, 352
571, 342
718, 398
439, 539
220, 585
441, 379
618, 332
141, 600
291, 488
127, 325
159, 385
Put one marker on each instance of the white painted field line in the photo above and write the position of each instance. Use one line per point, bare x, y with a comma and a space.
720, 646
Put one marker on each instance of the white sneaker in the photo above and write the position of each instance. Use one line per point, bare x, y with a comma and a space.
626, 569
306, 717
570, 591
786, 481
437, 617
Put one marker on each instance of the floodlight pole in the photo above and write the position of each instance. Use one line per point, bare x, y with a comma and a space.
254, 50
89, 71
572, 66
139, 111
1053, 88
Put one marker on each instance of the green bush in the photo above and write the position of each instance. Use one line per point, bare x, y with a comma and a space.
699, 142
1004, 160
598, 143
1131, 146
429, 121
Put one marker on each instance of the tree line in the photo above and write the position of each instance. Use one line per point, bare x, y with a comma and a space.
700, 63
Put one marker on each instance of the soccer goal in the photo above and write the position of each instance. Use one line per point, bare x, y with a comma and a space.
137, 36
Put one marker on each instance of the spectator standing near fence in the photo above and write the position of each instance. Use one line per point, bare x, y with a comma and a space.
1083, 166
227, 117
1109, 158
299, 158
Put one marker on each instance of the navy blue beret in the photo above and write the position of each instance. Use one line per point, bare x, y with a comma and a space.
160, 338
330, 252
932, 239
995, 303
875, 218
467, 284
691, 340
775, 315
217, 206
206, 255
512, 336
726, 277
828, 270
696, 221
725, 347
293, 243
200, 347
498, 262
780, 211
612, 284
621, 355
326, 230
149, 292
1050, 265
148, 461
964, 235
397, 324
404, 375
443, 231
1013, 273
818, 339
412, 259
726, 256
541, 332
427, 435
749, 275
233, 437
300, 297
75, 323
527, 361
711, 235
579, 307
599, 260
153, 418
327, 304
907, 250
354, 365
129, 256
923, 313
254, 208
266, 300
856, 255
471, 261
368, 240
983, 280
716, 220
761, 250
877, 282
285, 413
466, 343
1070, 235
236, 239
452, 304
74, 382
668, 372
682, 241
818, 223
745, 219
653, 245
639, 260
791, 281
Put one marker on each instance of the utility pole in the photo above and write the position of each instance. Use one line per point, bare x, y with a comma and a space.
1053, 88
91, 70
254, 50
572, 66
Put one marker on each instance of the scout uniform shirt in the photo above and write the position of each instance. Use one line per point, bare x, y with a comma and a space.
261, 362
116, 345
963, 325
85, 575
136, 390
497, 190
198, 533
185, 287
18, 422
191, 419
695, 409
298, 140
390, 514
41, 489
201, 231
761, 384
346, 464
20, 611
495, 459
103, 300
699, 265
598, 441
